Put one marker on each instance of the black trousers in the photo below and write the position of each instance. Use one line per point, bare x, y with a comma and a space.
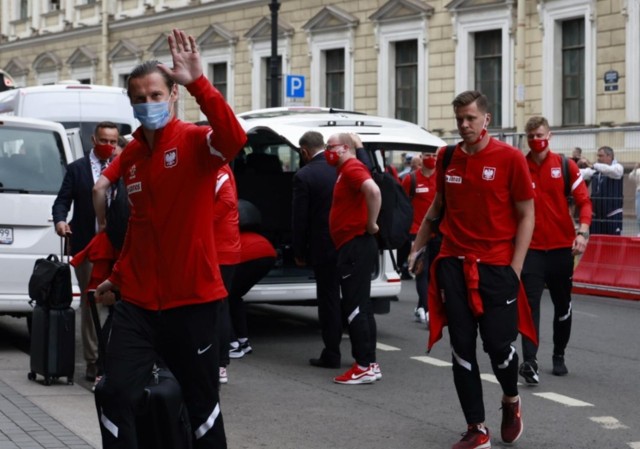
224, 315
329, 314
498, 329
555, 269
356, 260
246, 275
186, 339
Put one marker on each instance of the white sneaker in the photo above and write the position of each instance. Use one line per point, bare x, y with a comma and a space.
224, 377
235, 350
420, 315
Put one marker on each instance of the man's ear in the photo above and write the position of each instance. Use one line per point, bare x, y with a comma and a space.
93, 140
488, 119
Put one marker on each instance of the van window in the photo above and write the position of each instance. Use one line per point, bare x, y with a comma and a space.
88, 128
276, 158
31, 161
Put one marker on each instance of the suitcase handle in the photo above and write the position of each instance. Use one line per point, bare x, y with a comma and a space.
64, 243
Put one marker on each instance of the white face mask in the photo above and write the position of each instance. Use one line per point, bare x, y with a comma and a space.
152, 115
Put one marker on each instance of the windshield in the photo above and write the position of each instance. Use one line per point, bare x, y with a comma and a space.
31, 161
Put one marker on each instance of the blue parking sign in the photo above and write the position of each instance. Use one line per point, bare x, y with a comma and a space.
295, 86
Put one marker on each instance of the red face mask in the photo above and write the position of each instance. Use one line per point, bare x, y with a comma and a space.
332, 157
538, 145
429, 162
103, 151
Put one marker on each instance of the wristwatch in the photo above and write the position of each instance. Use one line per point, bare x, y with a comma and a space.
584, 234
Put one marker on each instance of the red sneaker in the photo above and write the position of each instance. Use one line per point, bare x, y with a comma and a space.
474, 438
376, 370
356, 376
512, 426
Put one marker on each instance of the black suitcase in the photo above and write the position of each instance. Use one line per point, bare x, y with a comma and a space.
163, 420
53, 353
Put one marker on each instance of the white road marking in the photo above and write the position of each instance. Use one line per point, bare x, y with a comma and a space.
608, 422
578, 312
383, 347
489, 378
432, 361
634, 445
564, 400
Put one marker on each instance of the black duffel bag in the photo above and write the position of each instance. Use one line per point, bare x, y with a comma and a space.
50, 283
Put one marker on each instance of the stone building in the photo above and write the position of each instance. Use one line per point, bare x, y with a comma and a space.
578, 63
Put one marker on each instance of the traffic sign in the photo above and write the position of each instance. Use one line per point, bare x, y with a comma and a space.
295, 86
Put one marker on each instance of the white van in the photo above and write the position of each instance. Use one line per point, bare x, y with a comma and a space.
274, 133
73, 105
33, 159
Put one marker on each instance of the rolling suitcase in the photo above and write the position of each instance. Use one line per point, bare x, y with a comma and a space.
53, 344
163, 420
53, 324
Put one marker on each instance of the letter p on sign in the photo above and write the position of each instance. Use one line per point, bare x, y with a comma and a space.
295, 86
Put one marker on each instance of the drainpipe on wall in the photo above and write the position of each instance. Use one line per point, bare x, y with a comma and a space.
104, 44
520, 65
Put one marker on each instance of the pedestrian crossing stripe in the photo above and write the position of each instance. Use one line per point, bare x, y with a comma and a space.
608, 422
432, 361
383, 347
564, 400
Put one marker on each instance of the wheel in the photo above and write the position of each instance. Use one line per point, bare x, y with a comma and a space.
31, 375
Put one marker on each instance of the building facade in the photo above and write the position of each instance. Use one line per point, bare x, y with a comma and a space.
578, 64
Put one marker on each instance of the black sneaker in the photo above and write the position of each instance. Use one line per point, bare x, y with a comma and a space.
235, 350
559, 368
529, 370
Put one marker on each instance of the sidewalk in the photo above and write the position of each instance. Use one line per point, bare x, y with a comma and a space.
34, 416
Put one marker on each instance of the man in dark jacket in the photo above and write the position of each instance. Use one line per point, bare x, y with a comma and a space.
76, 190
312, 244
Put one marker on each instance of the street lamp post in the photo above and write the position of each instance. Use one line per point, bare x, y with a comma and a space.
274, 69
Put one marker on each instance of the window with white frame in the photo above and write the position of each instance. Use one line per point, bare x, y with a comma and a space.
330, 36
47, 66
23, 10
261, 55
484, 59
488, 70
573, 72
218, 72
54, 5
334, 78
406, 77
569, 43
632, 60
217, 50
84, 74
393, 96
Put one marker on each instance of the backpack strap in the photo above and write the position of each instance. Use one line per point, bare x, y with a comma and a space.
446, 160
565, 176
412, 188
448, 154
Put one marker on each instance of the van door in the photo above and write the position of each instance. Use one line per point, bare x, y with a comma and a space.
32, 166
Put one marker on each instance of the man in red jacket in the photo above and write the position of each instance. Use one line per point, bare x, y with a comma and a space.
167, 272
554, 243
486, 226
420, 187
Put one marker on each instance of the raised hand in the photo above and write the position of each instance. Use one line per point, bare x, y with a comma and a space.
187, 66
